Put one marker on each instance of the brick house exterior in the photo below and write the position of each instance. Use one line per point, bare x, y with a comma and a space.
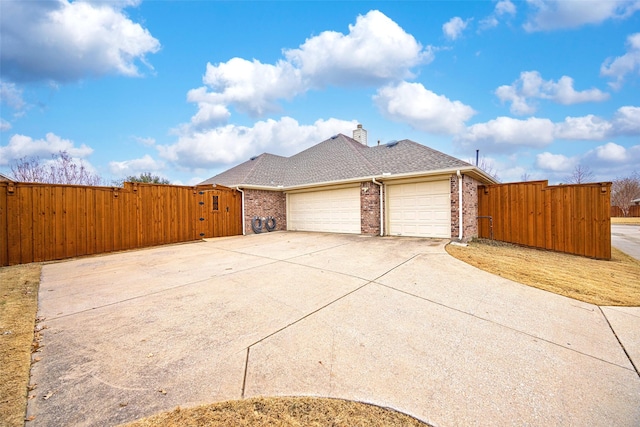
370, 208
469, 207
269, 183
262, 204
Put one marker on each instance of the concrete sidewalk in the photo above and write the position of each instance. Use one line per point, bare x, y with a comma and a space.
626, 238
391, 321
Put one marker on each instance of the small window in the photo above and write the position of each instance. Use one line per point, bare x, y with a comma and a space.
215, 203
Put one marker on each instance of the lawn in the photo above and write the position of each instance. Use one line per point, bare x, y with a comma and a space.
281, 412
18, 305
601, 282
631, 221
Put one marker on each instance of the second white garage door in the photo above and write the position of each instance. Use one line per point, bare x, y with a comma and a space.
420, 209
334, 211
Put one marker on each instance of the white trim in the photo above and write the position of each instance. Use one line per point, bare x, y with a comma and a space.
244, 233
380, 185
460, 228
385, 177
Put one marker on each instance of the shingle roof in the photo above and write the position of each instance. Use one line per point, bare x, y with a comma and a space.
335, 159
4, 178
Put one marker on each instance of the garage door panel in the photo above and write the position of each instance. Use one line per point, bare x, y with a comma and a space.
335, 211
421, 209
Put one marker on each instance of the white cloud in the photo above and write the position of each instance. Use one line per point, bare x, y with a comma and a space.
376, 49
412, 103
560, 14
503, 8
530, 85
621, 66
507, 134
611, 152
489, 22
65, 41
147, 142
454, 27
231, 143
190, 182
584, 128
251, 86
24, 146
555, 162
4, 125
626, 121
611, 160
135, 166
519, 104
11, 95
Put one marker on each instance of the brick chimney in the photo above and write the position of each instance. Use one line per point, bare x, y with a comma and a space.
360, 135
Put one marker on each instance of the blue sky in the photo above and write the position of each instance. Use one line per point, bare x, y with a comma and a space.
187, 89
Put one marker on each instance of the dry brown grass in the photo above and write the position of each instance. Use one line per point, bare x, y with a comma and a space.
18, 306
613, 282
281, 412
632, 221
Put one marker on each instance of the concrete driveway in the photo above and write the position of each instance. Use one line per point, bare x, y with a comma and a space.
392, 321
626, 238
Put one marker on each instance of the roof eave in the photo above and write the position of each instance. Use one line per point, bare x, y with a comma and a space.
473, 171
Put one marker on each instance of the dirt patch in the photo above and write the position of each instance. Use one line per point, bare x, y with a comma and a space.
281, 412
18, 306
601, 282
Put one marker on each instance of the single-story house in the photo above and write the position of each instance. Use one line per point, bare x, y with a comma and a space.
4, 178
342, 185
636, 201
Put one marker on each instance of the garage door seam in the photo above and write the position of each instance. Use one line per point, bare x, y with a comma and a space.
619, 342
513, 329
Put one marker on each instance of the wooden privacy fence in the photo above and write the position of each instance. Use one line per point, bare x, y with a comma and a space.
634, 211
564, 218
42, 222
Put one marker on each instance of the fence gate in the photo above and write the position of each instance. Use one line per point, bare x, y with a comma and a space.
43, 222
219, 212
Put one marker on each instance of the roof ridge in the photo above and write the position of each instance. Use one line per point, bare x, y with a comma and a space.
434, 150
353, 144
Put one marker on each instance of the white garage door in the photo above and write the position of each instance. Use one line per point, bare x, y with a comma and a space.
421, 209
334, 211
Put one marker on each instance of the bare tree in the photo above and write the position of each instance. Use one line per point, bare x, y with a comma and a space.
28, 169
525, 177
580, 175
487, 167
148, 178
62, 169
624, 190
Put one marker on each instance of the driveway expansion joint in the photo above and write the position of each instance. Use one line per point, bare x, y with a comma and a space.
160, 291
520, 331
246, 369
308, 314
626, 353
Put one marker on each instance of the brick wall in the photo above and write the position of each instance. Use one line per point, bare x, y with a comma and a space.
469, 207
369, 208
265, 203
